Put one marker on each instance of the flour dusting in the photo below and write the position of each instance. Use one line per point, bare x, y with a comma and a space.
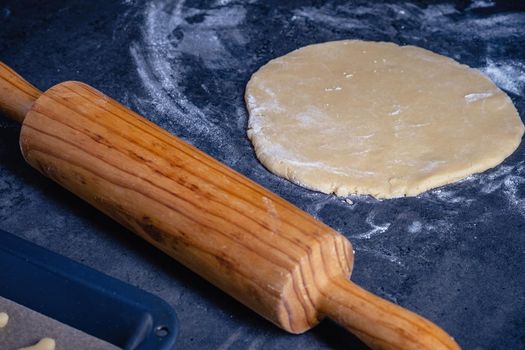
374, 228
507, 74
415, 227
172, 33
476, 4
190, 57
477, 96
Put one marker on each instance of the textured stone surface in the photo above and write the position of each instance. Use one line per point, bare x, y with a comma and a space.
455, 254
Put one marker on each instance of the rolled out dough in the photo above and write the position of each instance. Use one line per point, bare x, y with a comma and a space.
356, 117
43, 344
4, 318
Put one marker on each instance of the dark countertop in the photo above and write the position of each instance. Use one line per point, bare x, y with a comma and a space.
454, 255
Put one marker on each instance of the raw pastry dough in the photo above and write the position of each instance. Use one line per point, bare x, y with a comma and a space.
43, 344
4, 318
377, 118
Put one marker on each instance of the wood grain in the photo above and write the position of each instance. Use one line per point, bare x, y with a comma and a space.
379, 323
16, 94
241, 237
268, 254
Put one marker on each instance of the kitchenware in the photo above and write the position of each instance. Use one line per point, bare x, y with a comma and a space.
268, 254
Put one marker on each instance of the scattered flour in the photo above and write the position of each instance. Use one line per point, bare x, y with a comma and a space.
415, 227
327, 18
449, 196
477, 96
173, 31
168, 37
381, 254
374, 228
510, 180
480, 4
507, 74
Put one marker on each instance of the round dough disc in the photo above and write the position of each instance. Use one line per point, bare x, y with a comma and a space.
356, 117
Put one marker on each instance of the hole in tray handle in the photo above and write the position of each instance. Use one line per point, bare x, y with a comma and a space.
161, 331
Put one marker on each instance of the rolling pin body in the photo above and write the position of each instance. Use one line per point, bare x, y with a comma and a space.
211, 219
268, 254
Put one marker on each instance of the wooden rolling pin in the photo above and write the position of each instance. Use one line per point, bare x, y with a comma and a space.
260, 249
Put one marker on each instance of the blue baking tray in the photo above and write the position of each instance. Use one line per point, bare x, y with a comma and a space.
83, 298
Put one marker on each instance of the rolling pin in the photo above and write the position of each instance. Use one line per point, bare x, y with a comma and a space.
271, 256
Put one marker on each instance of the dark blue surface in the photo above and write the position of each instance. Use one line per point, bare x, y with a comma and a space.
455, 255
84, 298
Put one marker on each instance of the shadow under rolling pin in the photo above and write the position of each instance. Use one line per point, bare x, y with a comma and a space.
254, 245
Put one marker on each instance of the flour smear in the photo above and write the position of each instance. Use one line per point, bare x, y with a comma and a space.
177, 36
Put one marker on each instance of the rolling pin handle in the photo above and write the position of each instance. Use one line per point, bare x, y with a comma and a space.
16, 94
380, 324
